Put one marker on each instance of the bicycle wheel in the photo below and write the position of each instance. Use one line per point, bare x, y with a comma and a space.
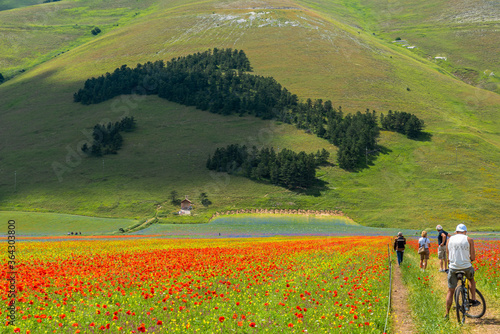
476, 311
460, 303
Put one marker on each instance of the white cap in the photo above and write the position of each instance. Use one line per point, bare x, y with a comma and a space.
461, 228
439, 227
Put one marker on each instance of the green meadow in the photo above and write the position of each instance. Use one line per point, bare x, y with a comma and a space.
324, 49
11, 4
53, 224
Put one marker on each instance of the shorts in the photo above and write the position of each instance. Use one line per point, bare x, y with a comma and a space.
425, 255
442, 252
452, 277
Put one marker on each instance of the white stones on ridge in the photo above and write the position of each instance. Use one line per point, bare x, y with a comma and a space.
259, 19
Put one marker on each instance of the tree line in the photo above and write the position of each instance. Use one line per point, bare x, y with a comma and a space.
213, 80
217, 81
353, 134
107, 138
285, 168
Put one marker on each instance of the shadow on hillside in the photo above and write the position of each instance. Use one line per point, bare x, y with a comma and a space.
424, 136
370, 158
315, 190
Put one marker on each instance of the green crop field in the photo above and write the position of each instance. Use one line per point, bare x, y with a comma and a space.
325, 49
258, 225
53, 224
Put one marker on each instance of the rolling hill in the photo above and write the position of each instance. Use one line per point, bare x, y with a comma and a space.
321, 49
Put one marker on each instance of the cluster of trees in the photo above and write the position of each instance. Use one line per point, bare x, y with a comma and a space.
402, 122
212, 80
95, 31
107, 138
2, 79
47, 1
216, 80
353, 134
285, 168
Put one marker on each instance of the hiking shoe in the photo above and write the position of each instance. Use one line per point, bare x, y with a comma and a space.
446, 270
446, 317
475, 303
441, 270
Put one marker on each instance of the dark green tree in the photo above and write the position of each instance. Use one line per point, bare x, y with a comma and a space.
413, 127
95, 31
204, 199
174, 198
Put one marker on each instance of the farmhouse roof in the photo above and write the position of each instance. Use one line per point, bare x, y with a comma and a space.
186, 200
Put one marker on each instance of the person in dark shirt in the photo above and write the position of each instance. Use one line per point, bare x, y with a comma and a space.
399, 246
442, 241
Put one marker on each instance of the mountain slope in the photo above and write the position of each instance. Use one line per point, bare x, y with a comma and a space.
464, 32
452, 176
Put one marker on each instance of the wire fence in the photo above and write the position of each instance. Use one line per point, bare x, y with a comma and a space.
390, 289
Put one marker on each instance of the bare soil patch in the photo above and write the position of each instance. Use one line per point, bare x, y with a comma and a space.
401, 313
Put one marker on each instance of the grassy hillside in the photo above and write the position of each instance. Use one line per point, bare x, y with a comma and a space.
462, 31
35, 34
10, 4
450, 177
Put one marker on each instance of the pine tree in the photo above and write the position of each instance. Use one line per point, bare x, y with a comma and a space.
173, 197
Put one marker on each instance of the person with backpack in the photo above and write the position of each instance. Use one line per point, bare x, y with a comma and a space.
442, 240
399, 246
423, 250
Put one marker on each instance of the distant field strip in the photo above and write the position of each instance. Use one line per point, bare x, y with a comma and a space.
48, 224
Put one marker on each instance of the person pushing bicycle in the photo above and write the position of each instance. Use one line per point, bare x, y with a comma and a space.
460, 252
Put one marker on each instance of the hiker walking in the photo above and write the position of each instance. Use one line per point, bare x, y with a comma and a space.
442, 240
399, 246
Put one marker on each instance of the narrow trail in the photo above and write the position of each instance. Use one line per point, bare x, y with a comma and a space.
489, 323
143, 225
401, 312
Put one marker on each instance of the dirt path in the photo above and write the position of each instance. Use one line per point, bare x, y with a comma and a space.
143, 225
401, 313
489, 323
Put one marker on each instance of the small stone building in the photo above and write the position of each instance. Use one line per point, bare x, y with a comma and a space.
186, 204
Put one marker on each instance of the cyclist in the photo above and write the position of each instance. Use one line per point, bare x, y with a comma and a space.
460, 253
442, 238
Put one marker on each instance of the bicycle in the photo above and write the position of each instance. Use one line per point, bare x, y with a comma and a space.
462, 300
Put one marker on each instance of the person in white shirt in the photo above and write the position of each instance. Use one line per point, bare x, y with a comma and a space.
461, 252
424, 242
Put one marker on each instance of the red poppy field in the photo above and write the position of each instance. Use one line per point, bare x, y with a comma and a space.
306, 284
487, 265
